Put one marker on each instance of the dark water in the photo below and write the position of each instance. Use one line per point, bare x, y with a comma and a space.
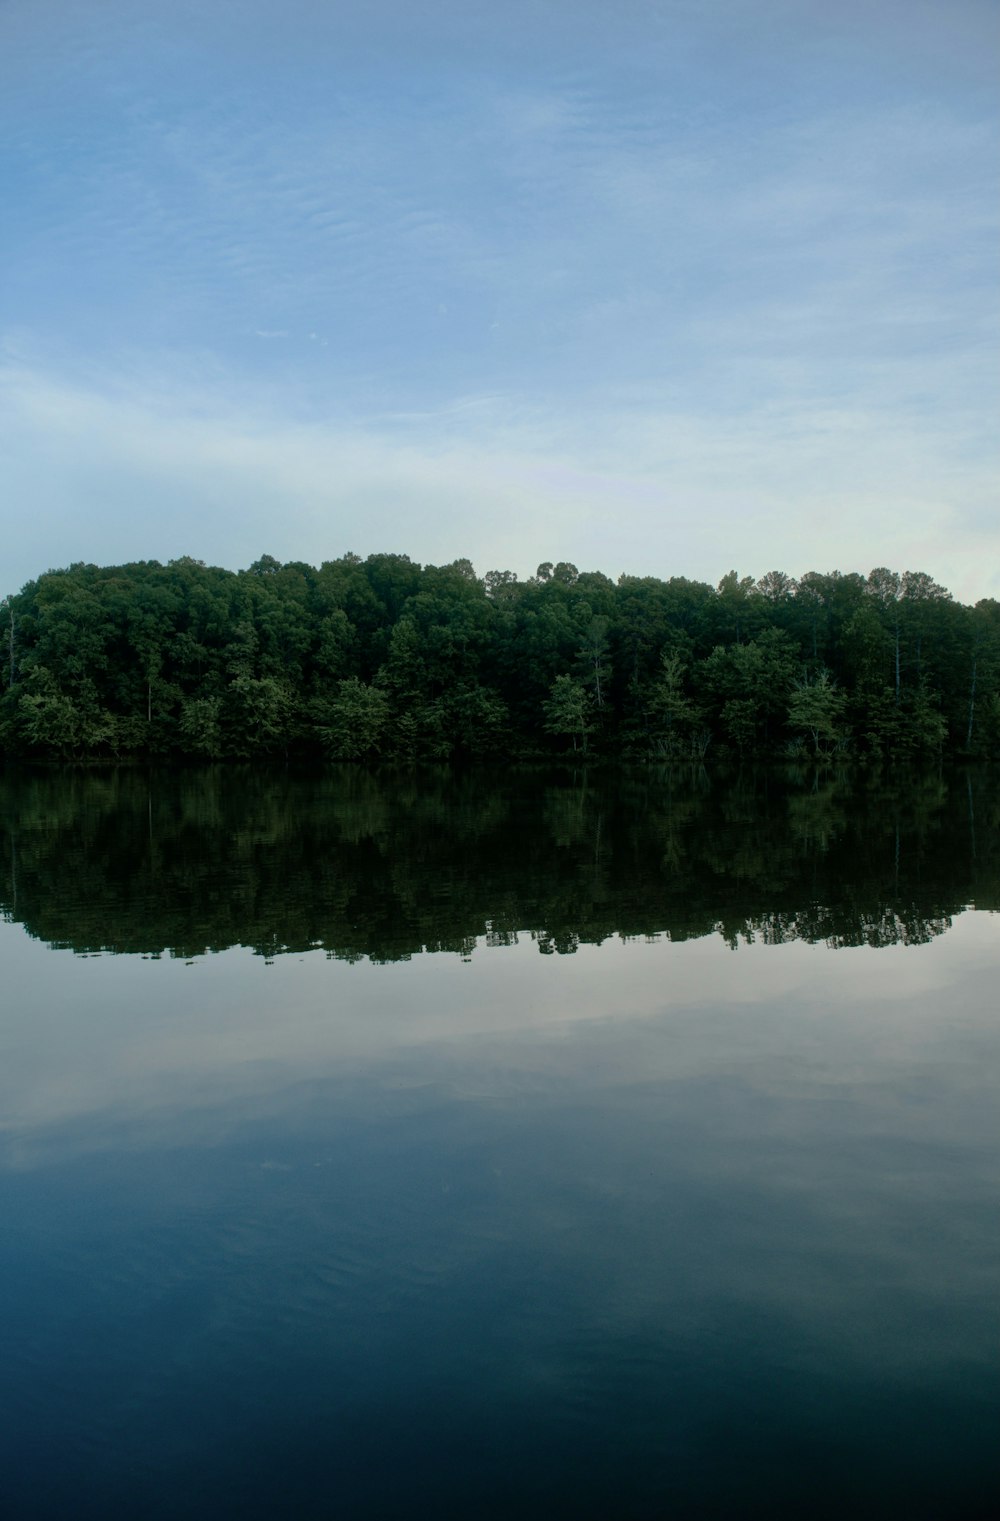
667, 1187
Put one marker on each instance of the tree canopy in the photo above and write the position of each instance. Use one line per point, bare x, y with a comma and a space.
384, 658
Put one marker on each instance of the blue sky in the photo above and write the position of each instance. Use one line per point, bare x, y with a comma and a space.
658, 287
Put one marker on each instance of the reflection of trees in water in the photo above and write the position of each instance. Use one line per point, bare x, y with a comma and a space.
384, 865
882, 925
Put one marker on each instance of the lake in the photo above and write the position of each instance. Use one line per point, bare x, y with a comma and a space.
519, 1144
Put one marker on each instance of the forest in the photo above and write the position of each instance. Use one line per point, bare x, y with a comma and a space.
386, 659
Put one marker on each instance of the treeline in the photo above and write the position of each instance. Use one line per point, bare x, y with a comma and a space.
383, 658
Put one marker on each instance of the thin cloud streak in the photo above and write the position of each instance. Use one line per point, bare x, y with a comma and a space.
700, 281
798, 488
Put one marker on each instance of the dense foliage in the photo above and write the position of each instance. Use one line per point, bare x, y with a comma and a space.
384, 658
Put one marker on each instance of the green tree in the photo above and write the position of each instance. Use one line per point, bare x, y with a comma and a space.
568, 710
257, 710
816, 708
677, 726
749, 684
736, 612
357, 720
48, 720
200, 726
984, 674
501, 585
593, 658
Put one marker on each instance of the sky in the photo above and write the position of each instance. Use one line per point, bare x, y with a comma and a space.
663, 287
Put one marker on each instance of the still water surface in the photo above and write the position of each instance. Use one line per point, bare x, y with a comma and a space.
504, 1146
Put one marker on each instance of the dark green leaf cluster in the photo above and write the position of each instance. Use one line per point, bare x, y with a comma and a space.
383, 658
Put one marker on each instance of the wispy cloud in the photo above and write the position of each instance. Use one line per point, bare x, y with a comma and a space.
157, 475
696, 281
